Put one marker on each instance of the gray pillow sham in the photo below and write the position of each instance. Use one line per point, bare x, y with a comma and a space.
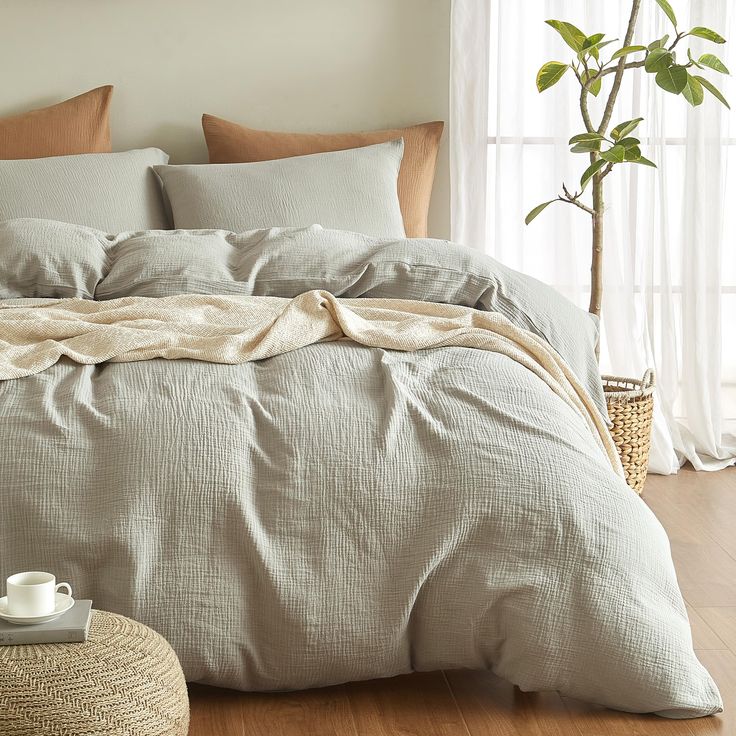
346, 190
47, 259
109, 191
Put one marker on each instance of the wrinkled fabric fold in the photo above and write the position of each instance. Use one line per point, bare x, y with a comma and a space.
232, 330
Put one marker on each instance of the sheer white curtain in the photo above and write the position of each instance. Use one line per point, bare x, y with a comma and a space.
469, 69
670, 241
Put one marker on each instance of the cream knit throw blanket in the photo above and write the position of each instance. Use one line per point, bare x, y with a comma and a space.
231, 329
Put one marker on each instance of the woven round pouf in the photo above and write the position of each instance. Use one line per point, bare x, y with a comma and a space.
124, 680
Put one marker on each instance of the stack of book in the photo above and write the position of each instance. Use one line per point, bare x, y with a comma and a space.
72, 626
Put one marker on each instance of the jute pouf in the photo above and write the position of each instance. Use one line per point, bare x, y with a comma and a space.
125, 680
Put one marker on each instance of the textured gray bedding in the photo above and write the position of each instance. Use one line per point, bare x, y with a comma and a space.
43, 258
342, 512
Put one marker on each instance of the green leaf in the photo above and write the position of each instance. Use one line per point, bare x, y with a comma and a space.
590, 45
593, 85
586, 137
644, 162
539, 208
707, 34
593, 169
550, 74
628, 142
713, 62
616, 154
713, 90
667, 8
623, 129
627, 50
571, 35
693, 91
659, 43
633, 154
593, 50
658, 60
586, 147
672, 80
593, 40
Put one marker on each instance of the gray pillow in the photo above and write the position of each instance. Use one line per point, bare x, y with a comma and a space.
49, 259
109, 191
170, 262
346, 190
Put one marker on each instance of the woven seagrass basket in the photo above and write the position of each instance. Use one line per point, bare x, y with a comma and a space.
630, 404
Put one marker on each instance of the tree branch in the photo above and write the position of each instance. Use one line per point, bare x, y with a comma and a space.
636, 64
620, 67
584, 102
614, 69
676, 41
584, 109
573, 199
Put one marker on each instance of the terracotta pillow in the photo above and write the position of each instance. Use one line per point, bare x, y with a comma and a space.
230, 143
79, 125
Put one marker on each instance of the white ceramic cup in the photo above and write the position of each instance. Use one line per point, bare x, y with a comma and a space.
33, 593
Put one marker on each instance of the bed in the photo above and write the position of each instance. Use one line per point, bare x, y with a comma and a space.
308, 456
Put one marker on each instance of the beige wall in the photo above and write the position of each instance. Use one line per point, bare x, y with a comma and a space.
305, 65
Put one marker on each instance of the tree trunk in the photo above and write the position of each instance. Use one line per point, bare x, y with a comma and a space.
596, 263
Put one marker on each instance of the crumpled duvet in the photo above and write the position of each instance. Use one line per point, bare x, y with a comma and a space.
344, 511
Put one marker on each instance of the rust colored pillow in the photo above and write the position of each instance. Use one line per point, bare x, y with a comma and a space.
230, 143
79, 125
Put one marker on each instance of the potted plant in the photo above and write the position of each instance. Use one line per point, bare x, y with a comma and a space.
608, 147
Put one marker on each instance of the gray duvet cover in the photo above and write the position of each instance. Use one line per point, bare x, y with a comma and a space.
341, 512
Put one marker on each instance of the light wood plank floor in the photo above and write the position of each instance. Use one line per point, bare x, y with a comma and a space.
699, 512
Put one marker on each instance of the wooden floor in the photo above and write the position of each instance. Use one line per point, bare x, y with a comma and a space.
699, 512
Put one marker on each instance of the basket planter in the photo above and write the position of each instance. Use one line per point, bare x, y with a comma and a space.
630, 404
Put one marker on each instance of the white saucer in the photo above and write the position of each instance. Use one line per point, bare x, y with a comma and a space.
63, 603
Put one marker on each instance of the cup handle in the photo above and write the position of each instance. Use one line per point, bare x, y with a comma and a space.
65, 585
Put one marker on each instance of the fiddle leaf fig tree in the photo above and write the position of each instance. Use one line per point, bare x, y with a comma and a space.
606, 146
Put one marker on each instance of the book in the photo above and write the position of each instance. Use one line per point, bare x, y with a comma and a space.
72, 626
